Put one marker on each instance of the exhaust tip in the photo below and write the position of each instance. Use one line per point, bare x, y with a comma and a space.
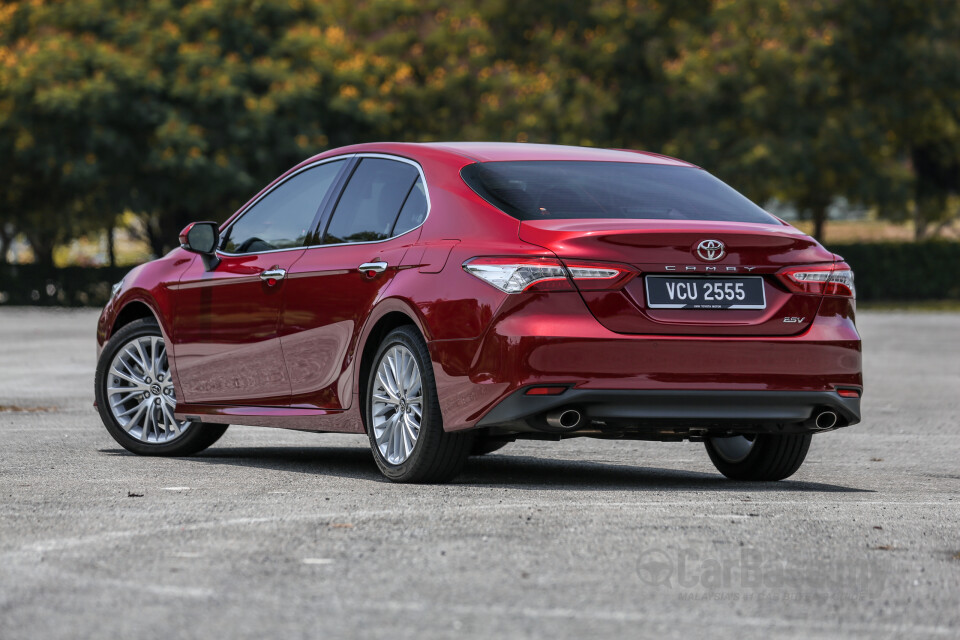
826, 420
564, 419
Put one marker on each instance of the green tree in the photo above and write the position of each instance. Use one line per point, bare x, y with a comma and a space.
232, 102
609, 59
180, 110
64, 119
246, 89
434, 70
765, 108
900, 60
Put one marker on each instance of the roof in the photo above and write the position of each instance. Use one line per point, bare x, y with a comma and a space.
513, 151
504, 151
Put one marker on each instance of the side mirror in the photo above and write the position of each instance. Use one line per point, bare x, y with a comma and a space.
202, 238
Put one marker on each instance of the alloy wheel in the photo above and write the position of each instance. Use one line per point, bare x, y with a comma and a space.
397, 404
140, 392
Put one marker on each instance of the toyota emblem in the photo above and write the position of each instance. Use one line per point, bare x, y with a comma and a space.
711, 250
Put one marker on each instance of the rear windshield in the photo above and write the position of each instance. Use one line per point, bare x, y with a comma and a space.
551, 190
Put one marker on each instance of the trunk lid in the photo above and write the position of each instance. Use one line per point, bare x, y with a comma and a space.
670, 248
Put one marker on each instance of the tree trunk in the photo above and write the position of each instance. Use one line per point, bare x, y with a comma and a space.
163, 231
926, 212
6, 238
919, 224
111, 248
819, 213
42, 249
154, 236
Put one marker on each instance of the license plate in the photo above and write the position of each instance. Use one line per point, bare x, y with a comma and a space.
691, 292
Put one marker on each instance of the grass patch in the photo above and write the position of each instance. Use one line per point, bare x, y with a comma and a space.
923, 306
853, 231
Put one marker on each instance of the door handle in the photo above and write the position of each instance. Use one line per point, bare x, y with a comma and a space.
272, 276
369, 268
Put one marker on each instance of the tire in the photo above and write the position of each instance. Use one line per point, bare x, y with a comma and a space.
403, 451
483, 446
139, 414
769, 457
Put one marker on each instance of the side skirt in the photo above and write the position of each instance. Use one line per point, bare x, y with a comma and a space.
298, 418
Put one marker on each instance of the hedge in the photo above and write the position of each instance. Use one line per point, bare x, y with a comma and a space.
30, 284
884, 272
904, 271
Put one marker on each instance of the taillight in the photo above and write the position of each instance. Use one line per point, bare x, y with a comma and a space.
513, 275
594, 276
829, 280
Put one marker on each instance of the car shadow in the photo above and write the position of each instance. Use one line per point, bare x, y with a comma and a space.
548, 473
502, 470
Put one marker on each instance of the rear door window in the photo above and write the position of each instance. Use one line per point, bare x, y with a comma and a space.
371, 202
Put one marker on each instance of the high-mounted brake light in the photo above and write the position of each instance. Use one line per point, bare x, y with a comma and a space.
513, 275
545, 391
829, 280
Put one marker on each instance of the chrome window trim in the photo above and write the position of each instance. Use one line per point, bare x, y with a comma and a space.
426, 193
250, 206
371, 154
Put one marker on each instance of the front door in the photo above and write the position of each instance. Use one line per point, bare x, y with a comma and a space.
226, 333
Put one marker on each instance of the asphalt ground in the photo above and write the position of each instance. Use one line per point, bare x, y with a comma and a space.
273, 533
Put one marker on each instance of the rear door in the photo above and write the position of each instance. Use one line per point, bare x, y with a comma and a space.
226, 340
333, 287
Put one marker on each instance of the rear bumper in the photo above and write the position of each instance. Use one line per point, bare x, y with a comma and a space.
552, 339
741, 411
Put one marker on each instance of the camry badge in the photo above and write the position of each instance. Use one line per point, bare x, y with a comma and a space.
711, 250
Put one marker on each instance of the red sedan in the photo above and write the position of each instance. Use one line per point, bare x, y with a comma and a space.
449, 298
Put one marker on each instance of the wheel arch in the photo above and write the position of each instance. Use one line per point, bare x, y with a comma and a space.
132, 310
390, 318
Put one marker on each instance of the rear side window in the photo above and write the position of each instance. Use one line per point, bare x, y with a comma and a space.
550, 190
371, 201
414, 210
283, 219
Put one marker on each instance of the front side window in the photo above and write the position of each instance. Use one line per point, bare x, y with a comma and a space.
548, 190
283, 219
371, 201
